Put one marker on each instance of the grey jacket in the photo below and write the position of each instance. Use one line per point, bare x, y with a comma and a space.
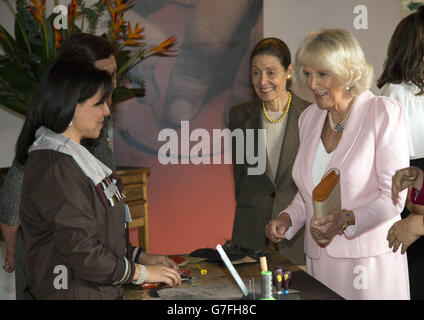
260, 198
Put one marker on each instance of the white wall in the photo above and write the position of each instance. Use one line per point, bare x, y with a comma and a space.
292, 20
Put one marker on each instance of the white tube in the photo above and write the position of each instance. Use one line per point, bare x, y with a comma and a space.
233, 271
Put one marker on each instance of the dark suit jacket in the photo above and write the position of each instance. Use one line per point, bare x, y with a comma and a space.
260, 198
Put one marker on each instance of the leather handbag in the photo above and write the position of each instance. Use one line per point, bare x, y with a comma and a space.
327, 197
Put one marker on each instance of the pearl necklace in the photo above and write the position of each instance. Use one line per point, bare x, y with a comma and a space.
285, 113
340, 126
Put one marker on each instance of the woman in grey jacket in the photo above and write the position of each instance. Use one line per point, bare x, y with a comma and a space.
276, 109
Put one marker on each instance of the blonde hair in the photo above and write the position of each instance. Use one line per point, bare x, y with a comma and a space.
338, 52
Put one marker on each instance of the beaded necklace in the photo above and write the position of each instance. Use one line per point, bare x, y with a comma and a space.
340, 126
285, 113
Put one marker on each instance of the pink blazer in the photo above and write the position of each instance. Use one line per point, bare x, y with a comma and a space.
373, 146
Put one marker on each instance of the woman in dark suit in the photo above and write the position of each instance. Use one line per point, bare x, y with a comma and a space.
275, 109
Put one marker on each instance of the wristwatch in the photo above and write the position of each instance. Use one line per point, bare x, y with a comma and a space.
346, 223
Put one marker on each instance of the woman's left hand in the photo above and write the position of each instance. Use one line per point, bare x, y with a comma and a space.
405, 232
147, 258
327, 227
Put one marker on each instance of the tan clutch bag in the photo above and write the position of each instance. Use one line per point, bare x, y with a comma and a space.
326, 196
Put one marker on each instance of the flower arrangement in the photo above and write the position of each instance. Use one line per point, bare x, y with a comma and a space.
36, 42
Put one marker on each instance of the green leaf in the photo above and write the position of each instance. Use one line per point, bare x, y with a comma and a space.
122, 93
7, 42
18, 78
21, 35
15, 105
412, 6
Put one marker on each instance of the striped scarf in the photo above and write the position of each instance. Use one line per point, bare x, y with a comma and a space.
108, 185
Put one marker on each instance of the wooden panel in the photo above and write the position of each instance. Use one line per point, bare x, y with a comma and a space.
134, 192
137, 209
132, 179
139, 222
134, 182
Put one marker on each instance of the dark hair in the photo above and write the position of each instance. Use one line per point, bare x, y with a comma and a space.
406, 52
61, 88
86, 47
274, 47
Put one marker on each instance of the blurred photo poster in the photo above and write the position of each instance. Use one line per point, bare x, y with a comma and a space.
171, 129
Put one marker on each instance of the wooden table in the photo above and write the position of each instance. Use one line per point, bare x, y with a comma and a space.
309, 287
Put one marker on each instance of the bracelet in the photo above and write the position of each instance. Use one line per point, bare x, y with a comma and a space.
346, 222
142, 276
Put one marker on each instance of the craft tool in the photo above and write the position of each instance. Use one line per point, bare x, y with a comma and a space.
232, 270
203, 272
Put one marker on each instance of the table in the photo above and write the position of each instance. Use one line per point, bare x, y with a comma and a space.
309, 287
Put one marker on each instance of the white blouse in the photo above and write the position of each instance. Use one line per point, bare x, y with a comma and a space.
275, 133
413, 114
320, 164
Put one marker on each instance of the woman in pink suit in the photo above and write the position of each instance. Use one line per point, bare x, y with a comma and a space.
362, 135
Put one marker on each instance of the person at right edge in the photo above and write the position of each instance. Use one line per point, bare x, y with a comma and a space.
403, 79
363, 136
275, 109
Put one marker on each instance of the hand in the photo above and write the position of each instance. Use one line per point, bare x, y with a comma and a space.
405, 232
161, 273
148, 259
9, 261
405, 178
276, 229
327, 227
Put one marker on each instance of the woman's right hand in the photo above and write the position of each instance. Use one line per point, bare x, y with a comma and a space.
9, 261
405, 178
159, 273
276, 229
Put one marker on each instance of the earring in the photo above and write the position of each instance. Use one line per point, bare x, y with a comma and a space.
289, 77
70, 124
347, 88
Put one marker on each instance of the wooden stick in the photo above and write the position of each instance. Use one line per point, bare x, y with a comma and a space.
264, 265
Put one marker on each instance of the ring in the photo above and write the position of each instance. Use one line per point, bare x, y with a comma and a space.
316, 235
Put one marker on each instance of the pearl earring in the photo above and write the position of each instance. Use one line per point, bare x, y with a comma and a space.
289, 77
70, 124
347, 88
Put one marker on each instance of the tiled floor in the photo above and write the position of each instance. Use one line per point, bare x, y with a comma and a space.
7, 280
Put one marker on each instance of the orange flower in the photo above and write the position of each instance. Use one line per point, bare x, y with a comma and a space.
111, 8
117, 25
72, 9
119, 6
122, 6
40, 6
164, 46
131, 43
72, 13
38, 10
133, 35
57, 38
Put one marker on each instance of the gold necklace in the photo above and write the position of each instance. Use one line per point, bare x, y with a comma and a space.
285, 113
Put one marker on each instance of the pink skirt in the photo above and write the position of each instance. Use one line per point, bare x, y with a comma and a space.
383, 277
